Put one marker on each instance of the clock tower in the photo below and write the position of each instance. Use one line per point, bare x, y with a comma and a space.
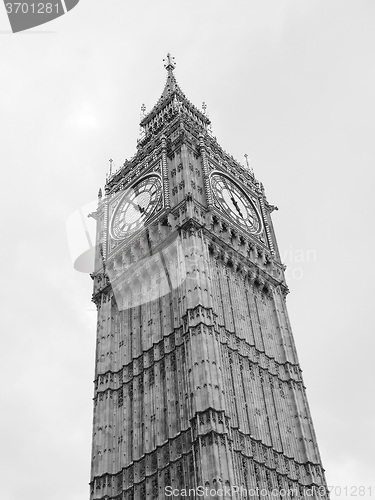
198, 388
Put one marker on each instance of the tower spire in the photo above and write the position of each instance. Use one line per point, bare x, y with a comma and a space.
172, 94
171, 84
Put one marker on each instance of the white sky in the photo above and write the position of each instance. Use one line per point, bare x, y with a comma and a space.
291, 83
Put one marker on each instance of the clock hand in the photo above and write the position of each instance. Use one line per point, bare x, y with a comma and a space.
133, 204
229, 191
237, 207
143, 209
232, 198
138, 208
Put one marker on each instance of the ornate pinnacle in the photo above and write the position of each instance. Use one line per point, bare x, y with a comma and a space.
169, 63
248, 164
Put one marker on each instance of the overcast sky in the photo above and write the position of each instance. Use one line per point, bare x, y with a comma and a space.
290, 83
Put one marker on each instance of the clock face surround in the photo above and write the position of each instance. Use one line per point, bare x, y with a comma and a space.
235, 203
135, 207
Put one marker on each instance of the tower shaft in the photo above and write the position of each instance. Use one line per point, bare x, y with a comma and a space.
197, 380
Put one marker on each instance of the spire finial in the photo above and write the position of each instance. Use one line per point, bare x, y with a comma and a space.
204, 107
169, 63
248, 164
110, 167
141, 128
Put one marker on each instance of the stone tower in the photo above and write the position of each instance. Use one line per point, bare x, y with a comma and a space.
197, 380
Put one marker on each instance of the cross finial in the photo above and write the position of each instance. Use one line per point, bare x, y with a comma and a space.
169, 63
143, 111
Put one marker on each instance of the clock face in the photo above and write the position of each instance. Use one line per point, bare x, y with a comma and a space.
135, 207
236, 203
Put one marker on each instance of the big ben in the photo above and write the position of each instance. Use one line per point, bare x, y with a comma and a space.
198, 387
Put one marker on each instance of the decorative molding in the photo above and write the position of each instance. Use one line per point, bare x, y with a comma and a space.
165, 171
206, 171
266, 225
